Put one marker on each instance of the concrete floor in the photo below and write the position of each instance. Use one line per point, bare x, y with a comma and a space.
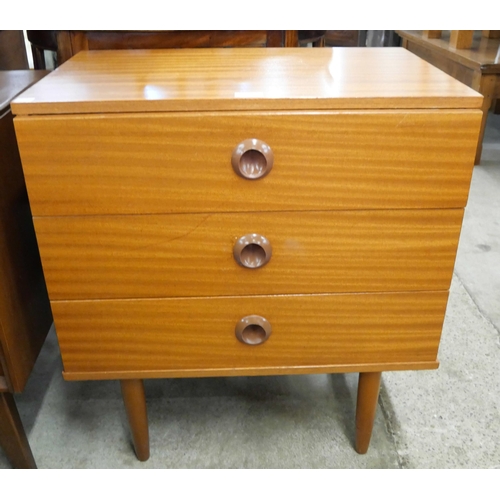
448, 418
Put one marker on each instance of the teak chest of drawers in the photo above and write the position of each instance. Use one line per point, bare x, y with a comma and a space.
247, 211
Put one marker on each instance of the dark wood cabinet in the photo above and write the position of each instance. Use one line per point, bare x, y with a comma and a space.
25, 315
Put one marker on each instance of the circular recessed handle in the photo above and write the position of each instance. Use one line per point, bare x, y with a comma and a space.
252, 251
252, 159
253, 330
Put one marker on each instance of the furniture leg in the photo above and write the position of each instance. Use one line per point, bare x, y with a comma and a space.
291, 38
38, 57
461, 39
12, 436
433, 33
485, 85
368, 389
135, 405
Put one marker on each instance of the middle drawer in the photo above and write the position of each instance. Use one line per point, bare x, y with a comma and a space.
194, 254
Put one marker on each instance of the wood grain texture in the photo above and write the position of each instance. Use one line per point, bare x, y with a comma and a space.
25, 315
192, 335
244, 79
192, 255
164, 163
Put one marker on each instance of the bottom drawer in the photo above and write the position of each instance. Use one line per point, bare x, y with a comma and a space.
196, 337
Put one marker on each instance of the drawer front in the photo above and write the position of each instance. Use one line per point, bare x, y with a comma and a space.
181, 162
100, 339
193, 254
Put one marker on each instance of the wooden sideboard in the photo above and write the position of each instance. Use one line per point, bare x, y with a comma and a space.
25, 316
234, 212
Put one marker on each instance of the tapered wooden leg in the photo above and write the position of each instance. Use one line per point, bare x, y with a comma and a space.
12, 436
135, 405
368, 389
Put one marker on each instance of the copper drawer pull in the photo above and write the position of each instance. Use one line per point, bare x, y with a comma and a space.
253, 330
252, 159
252, 251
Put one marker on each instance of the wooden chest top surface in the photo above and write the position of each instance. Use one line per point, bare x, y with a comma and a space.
244, 79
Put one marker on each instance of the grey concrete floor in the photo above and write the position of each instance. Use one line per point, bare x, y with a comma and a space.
448, 418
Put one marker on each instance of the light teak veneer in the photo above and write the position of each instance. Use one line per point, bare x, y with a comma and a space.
247, 212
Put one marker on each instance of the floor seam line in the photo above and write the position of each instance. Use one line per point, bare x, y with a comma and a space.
480, 310
388, 421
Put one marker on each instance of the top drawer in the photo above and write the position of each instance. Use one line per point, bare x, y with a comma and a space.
181, 162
